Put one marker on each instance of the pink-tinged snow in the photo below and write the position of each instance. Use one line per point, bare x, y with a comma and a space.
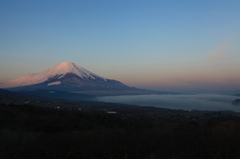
54, 83
62, 69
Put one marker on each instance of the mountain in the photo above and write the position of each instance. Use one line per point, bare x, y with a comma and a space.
65, 77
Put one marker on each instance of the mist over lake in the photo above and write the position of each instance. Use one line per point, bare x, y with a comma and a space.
211, 102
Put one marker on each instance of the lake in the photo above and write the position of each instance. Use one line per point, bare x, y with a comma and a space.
211, 102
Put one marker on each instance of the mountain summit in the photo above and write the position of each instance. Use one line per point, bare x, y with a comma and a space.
66, 76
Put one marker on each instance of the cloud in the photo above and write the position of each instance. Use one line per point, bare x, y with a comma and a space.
211, 102
220, 52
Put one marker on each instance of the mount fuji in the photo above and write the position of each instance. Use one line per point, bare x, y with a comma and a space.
65, 77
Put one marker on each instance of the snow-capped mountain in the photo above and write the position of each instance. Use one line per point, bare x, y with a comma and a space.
66, 76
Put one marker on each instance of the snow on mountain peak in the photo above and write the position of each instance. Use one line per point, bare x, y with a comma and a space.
59, 70
69, 67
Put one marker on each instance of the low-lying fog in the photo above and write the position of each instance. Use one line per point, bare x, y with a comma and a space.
211, 102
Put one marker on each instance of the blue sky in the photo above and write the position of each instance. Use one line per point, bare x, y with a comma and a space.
161, 45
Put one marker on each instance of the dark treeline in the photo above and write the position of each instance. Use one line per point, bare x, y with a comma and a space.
28, 131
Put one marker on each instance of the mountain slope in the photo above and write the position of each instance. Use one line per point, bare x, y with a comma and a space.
56, 72
66, 76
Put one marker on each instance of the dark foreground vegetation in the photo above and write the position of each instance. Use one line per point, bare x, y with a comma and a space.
28, 131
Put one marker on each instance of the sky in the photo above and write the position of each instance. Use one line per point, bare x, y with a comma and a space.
151, 44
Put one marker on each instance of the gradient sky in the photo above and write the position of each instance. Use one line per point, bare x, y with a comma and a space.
153, 44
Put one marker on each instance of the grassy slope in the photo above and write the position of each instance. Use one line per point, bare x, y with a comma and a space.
28, 131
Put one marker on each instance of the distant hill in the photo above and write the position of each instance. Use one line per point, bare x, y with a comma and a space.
20, 96
236, 102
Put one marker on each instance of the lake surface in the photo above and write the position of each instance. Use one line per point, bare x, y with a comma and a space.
211, 102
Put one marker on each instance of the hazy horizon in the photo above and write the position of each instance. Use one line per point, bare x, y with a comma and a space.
182, 46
